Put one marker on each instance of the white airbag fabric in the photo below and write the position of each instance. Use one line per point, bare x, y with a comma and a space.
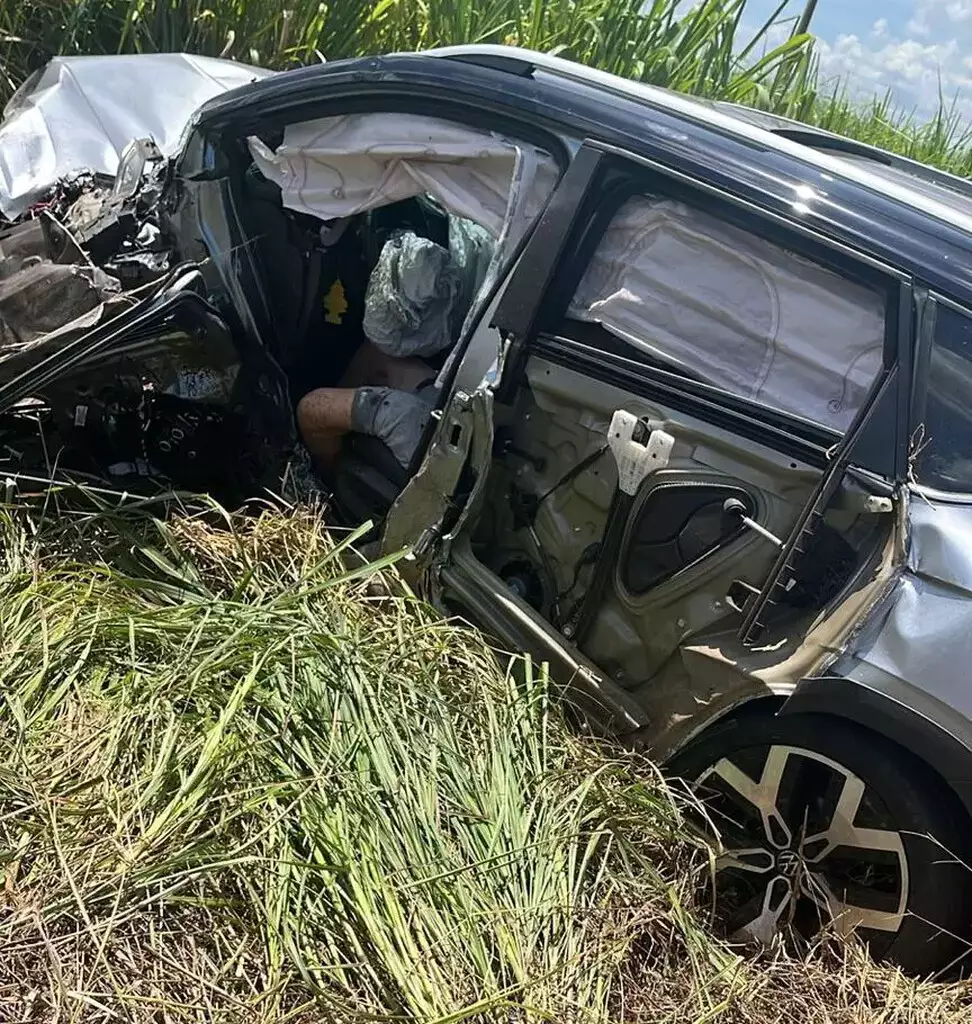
340, 166
735, 310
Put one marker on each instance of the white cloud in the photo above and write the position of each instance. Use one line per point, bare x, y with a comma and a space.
928, 12
914, 64
918, 24
959, 10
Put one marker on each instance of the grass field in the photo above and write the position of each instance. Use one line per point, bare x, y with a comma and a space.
243, 782
694, 47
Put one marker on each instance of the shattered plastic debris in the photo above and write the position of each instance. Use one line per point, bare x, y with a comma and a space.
135, 267
411, 296
84, 212
82, 187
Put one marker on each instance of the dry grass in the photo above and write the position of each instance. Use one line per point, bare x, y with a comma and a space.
242, 782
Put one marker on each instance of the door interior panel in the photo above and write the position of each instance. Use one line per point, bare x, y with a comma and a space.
678, 524
681, 557
655, 588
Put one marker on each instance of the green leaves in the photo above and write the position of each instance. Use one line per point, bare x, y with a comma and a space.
692, 47
696, 47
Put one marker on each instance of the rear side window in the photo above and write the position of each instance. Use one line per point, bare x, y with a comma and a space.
732, 309
942, 439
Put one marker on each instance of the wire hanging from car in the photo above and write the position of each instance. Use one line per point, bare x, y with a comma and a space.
572, 474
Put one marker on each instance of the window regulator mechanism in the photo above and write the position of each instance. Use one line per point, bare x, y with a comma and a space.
735, 507
640, 447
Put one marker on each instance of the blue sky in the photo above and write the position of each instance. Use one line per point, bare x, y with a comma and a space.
903, 45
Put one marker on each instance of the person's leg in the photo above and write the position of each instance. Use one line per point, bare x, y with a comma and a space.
397, 418
324, 416
371, 367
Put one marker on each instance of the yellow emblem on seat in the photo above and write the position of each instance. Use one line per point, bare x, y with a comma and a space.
335, 303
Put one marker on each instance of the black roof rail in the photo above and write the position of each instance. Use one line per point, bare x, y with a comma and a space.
834, 143
838, 144
511, 65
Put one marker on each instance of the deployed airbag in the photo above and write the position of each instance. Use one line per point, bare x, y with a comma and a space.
410, 298
340, 166
735, 310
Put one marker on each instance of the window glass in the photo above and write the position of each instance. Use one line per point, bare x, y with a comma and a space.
735, 310
942, 440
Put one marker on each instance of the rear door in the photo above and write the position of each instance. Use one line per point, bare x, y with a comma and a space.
755, 363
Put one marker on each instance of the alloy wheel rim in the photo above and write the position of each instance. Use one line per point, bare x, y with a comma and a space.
802, 841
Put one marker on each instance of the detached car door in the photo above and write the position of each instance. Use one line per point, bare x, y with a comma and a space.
684, 388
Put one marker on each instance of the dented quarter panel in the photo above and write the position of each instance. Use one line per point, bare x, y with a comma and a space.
916, 646
714, 675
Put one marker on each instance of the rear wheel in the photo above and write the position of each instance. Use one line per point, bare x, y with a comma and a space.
821, 822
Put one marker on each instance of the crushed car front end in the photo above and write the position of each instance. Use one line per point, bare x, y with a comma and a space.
120, 366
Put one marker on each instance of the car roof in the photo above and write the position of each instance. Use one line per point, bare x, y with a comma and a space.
941, 186
935, 193
893, 213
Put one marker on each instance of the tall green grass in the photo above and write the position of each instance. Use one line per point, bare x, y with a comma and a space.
244, 779
240, 776
698, 48
660, 42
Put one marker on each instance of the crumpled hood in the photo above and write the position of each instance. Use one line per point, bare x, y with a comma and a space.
79, 113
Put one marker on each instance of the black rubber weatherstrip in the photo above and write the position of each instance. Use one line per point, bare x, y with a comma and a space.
715, 406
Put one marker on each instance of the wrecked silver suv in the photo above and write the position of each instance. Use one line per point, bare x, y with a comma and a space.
700, 438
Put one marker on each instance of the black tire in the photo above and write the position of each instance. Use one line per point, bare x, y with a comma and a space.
905, 895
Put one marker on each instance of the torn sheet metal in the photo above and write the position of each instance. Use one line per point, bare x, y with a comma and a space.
79, 113
917, 648
42, 297
50, 292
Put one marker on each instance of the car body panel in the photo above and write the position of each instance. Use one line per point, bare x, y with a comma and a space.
905, 673
919, 641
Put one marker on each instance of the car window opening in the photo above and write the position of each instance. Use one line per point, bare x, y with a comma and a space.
943, 424
371, 236
703, 297
405, 220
